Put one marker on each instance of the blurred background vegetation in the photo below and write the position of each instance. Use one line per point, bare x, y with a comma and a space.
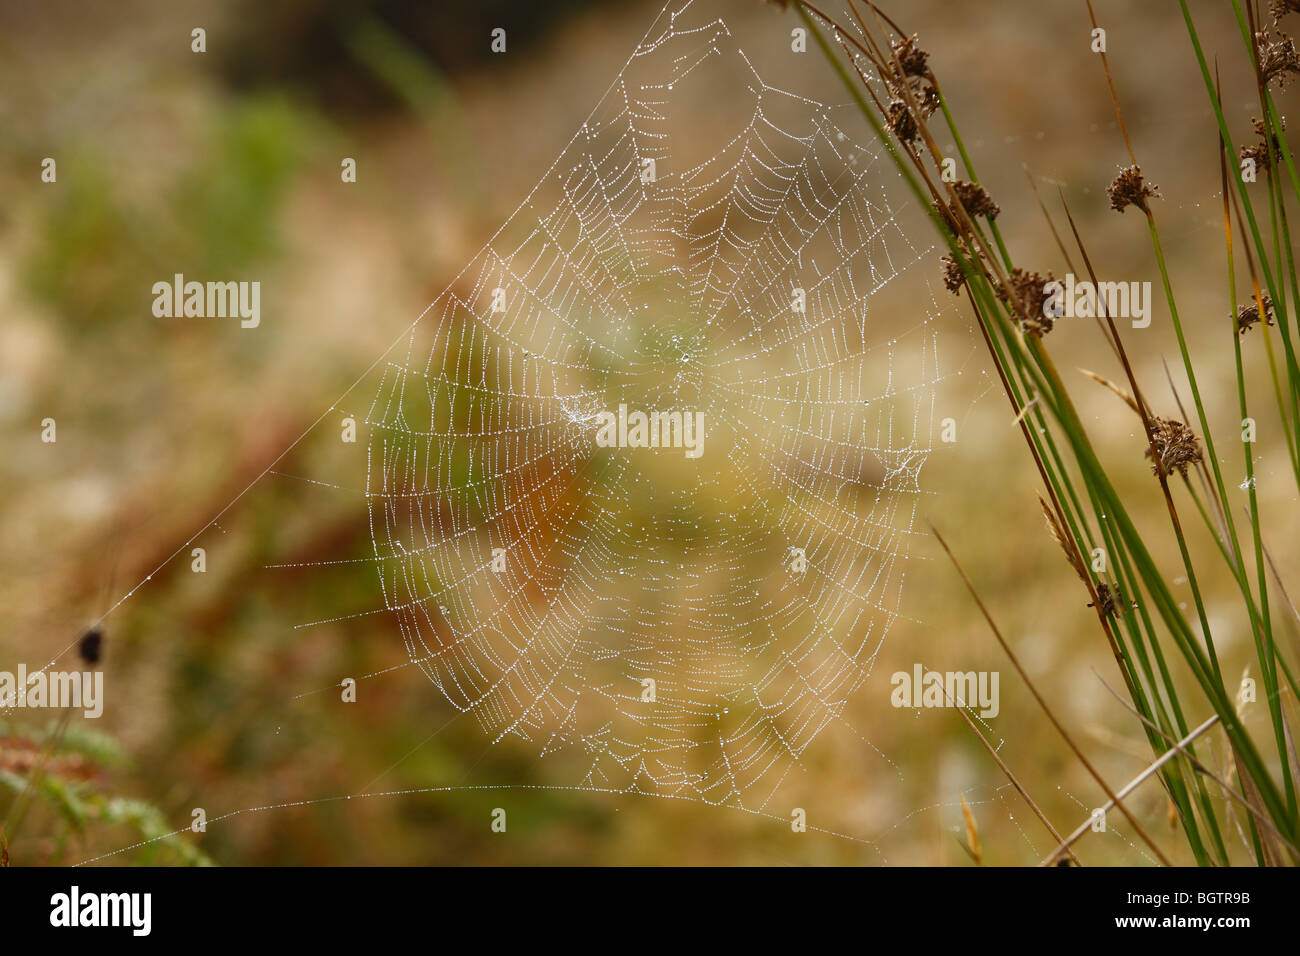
227, 164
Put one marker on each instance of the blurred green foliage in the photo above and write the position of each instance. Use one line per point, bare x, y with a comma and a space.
100, 248
71, 785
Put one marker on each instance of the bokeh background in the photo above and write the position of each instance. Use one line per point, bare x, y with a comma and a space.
227, 164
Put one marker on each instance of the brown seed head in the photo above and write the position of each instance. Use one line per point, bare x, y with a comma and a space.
1130, 189
911, 57
975, 199
1027, 301
1260, 151
928, 101
1281, 8
910, 75
902, 122
953, 277
1173, 447
1248, 315
1277, 57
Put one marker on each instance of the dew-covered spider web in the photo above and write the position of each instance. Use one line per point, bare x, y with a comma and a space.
664, 623
681, 618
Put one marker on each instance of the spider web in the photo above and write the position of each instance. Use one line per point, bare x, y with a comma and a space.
668, 625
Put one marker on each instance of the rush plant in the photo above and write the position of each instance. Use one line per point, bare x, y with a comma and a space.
1155, 643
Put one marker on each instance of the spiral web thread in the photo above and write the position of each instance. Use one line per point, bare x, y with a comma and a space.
541, 581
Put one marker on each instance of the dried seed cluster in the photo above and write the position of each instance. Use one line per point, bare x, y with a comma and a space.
902, 122
1173, 447
1277, 57
911, 58
1026, 300
975, 199
1260, 151
1281, 8
908, 74
1248, 315
953, 277
1131, 189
